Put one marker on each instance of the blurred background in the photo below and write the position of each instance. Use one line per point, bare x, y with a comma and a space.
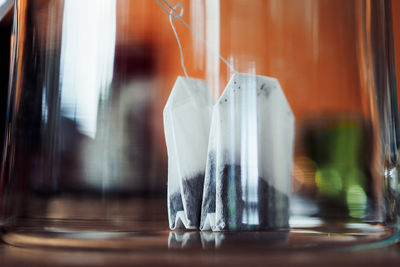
95, 78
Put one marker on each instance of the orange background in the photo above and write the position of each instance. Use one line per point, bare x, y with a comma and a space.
310, 46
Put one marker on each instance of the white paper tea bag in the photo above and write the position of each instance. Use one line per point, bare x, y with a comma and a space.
187, 118
250, 154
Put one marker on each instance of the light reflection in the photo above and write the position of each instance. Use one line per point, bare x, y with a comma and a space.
217, 240
329, 181
197, 15
4, 7
392, 176
87, 56
45, 109
212, 11
249, 150
356, 201
304, 222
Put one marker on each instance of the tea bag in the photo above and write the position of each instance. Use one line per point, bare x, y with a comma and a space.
187, 118
250, 153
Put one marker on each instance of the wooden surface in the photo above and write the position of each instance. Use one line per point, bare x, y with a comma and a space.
13, 256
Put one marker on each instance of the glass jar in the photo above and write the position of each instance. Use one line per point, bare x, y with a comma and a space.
85, 157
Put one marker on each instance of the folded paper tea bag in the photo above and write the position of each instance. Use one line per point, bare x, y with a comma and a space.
250, 154
187, 118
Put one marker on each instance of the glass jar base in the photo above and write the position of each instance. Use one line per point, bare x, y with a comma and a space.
345, 236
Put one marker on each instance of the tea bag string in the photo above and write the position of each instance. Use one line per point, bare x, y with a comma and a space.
174, 14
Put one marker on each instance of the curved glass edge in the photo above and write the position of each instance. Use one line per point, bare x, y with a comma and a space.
293, 240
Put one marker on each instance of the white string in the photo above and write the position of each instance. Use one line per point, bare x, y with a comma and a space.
172, 10
172, 16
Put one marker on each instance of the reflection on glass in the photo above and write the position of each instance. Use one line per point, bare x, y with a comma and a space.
223, 240
339, 150
178, 240
87, 57
249, 159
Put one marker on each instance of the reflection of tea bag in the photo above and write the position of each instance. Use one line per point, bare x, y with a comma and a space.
250, 154
255, 239
187, 117
211, 240
177, 240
